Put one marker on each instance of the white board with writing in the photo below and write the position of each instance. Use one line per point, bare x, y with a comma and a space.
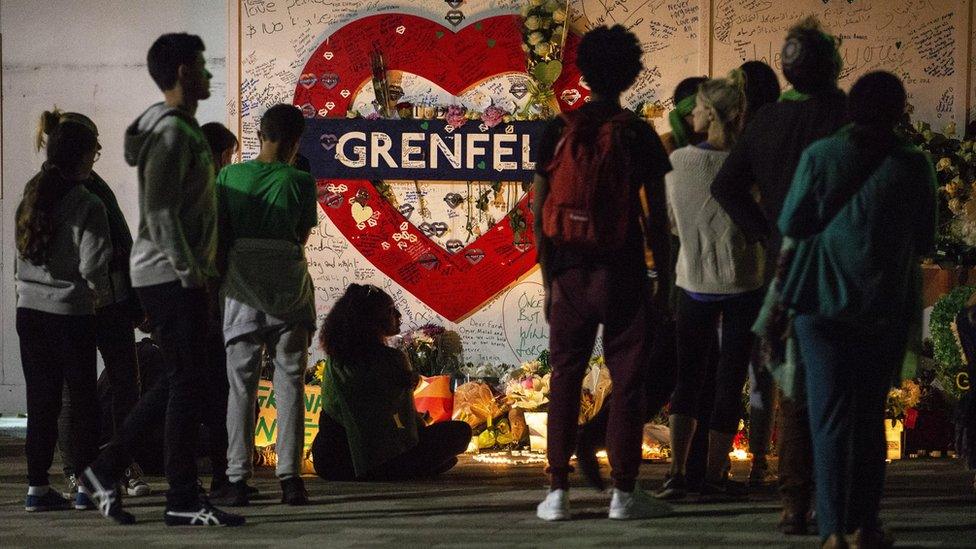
922, 41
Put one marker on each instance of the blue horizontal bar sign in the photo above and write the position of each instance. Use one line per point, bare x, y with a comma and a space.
356, 148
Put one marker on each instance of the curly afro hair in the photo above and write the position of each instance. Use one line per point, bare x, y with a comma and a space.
610, 59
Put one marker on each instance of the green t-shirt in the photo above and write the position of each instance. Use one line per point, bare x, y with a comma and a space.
270, 200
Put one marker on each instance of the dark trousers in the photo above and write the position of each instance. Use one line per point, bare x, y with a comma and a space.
697, 325
179, 316
849, 370
115, 340
582, 299
762, 403
58, 350
214, 409
795, 449
436, 452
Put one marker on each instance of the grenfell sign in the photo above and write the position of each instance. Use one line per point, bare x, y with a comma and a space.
342, 148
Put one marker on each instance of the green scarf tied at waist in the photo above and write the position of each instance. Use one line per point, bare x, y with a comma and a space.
679, 128
271, 276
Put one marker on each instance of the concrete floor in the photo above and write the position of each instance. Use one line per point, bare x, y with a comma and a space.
929, 503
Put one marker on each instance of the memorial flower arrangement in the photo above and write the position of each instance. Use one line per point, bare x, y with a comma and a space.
954, 159
902, 398
544, 25
946, 350
433, 350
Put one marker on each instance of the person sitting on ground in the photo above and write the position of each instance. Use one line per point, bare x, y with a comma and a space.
369, 428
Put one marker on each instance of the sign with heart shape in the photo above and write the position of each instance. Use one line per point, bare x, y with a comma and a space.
457, 279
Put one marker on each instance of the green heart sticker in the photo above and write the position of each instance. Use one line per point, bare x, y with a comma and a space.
425, 125
546, 73
481, 165
491, 42
440, 34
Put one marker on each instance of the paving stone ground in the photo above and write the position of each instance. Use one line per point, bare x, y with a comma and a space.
928, 503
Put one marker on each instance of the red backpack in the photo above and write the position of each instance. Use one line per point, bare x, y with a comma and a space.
590, 205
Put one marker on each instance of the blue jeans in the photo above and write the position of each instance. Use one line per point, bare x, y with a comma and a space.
849, 369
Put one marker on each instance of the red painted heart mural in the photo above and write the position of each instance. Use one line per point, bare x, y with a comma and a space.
452, 284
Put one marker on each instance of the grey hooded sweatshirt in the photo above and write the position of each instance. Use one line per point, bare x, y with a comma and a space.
177, 237
75, 278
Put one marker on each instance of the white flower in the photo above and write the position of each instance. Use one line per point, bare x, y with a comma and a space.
532, 23
542, 50
559, 15
535, 38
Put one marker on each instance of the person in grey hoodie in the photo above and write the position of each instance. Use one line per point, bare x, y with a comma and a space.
172, 263
114, 323
62, 275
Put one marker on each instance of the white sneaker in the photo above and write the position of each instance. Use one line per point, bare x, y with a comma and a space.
636, 505
133, 483
555, 506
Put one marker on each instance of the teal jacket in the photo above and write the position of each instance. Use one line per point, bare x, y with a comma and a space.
863, 267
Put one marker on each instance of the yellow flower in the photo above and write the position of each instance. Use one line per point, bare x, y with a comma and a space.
559, 15
535, 38
955, 206
320, 370
944, 164
532, 23
950, 129
542, 50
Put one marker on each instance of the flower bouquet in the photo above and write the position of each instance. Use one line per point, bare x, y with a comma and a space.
432, 350
955, 166
902, 399
543, 36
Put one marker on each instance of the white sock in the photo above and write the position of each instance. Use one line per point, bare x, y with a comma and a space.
38, 490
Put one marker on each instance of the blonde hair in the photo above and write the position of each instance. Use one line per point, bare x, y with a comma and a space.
726, 98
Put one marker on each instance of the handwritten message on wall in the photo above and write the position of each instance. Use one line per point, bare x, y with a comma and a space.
921, 41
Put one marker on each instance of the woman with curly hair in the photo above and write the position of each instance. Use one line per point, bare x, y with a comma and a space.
64, 253
369, 429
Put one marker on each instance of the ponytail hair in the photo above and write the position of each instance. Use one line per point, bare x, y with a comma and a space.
726, 98
66, 144
51, 119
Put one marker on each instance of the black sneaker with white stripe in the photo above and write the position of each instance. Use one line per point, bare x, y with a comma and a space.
109, 501
201, 514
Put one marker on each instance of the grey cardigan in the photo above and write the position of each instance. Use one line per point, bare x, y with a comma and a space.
75, 279
715, 257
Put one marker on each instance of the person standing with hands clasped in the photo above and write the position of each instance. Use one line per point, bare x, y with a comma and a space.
172, 263
591, 167
267, 210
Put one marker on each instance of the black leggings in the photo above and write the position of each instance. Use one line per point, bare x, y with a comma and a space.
116, 341
435, 452
697, 327
58, 350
